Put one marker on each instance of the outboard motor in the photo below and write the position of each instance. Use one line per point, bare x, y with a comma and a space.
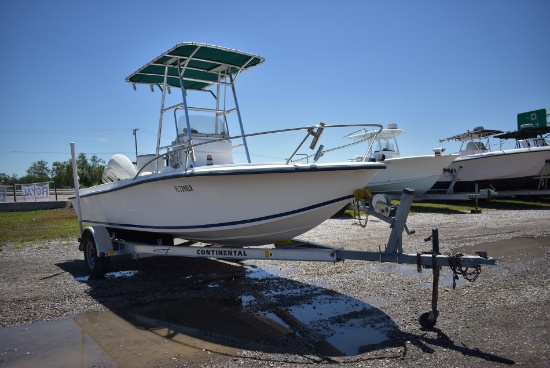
119, 167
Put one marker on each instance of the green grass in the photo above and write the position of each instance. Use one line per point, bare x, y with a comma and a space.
450, 207
32, 226
513, 203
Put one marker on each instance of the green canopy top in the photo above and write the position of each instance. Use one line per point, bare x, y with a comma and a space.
202, 66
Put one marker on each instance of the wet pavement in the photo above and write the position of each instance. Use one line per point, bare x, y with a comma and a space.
277, 316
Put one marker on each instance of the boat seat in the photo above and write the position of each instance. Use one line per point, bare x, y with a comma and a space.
194, 131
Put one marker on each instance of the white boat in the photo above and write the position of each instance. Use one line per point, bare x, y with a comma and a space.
480, 167
535, 139
192, 189
415, 172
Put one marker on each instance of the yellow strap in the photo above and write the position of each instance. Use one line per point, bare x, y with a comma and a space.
283, 242
361, 193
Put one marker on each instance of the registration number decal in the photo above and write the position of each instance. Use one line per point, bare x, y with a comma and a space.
183, 188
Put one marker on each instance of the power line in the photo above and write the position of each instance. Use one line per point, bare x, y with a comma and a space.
65, 152
26, 131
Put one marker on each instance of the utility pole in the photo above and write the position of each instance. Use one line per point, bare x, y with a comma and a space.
135, 138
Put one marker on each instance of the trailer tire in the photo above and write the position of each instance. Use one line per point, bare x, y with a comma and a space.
97, 266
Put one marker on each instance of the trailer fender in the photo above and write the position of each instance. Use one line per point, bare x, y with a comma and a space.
102, 239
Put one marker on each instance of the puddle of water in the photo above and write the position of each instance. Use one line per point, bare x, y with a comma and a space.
99, 339
514, 248
268, 271
351, 337
342, 323
324, 307
60, 343
193, 331
258, 273
223, 322
110, 275
277, 319
318, 315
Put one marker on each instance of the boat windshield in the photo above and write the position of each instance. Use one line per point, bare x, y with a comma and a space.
534, 142
384, 149
385, 145
203, 124
474, 148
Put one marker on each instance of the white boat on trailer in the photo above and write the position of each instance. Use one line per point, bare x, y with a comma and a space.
479, 167
415, 172
230, 208
535, 139
197, 192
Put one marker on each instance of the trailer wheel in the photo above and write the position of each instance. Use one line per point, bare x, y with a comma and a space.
97, 266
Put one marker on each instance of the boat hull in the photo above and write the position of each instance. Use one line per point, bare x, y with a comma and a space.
238, 205
415, 172
502, 170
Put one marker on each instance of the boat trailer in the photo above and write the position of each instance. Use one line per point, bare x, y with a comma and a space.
99, 245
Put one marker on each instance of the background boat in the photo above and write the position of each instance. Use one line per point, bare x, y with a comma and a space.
415, 172
501, 169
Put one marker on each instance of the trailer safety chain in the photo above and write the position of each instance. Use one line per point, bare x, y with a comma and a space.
456, 266
359, 194
357, 215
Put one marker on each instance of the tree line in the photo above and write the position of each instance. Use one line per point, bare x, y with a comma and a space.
61, 173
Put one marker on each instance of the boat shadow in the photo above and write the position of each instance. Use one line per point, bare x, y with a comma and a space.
226, 307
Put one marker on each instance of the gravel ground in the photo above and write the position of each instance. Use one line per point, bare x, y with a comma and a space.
501, 319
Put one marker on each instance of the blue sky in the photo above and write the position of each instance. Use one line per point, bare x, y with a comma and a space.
436, 68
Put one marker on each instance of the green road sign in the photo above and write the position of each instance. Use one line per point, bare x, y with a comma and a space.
537, 118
